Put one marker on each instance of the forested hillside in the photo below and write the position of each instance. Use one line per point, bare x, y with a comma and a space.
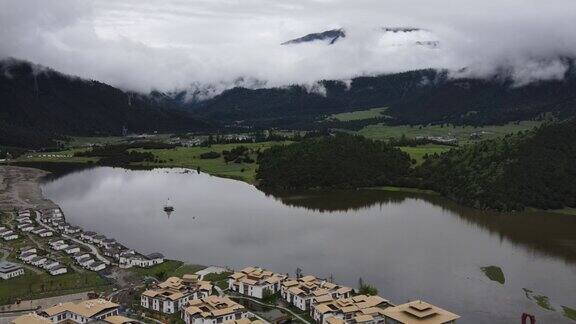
38, 105
533, 169
342, 161
415, 97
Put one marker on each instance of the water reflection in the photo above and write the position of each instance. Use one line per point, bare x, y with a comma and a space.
549, 233
337, 200
408, 246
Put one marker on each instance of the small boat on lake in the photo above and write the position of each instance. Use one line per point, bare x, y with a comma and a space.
168, 206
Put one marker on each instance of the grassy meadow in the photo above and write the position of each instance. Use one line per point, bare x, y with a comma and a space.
189, 157
359, 115
462, 133
33, 285
418, 152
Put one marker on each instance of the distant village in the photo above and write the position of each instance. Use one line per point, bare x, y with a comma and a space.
191, 297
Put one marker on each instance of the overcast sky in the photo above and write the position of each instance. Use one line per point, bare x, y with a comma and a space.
170, 44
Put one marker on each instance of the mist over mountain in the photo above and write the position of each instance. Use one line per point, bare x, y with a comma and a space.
40, 104
331, 36
415, 97
174, 45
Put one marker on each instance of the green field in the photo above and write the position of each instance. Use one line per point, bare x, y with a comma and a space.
418, 152
32, 285
185, 157
462, 133
358, 115
189, 157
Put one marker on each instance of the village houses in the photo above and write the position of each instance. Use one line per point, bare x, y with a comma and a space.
10, 270
302, 292
357, 309
255, 282
82, 312
213, 309
171, 295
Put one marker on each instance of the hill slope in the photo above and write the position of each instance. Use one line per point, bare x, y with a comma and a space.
415, 97
38, 104
534, 169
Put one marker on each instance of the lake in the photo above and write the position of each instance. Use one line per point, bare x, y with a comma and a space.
408, 246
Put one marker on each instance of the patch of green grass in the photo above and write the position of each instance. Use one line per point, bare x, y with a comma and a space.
32, 285
418, 152
163, 269
544, 302
187, 269
569, 312
494, 273
169, 268
189, 157
218, 279
404, 189
462, 133
359, 114
565, 211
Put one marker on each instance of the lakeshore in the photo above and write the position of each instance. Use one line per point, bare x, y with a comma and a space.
244, 231
51, 218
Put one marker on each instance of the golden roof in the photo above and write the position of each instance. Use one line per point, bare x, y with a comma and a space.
419, 312
212, 306
31, 318
237, 275
307, 278
324, 298
335, 320
86, 308
117, 319
358, 306
255, 275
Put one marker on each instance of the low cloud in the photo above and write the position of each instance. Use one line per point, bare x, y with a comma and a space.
167, 45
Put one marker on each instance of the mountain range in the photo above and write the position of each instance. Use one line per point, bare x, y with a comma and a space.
39, 104
414, 97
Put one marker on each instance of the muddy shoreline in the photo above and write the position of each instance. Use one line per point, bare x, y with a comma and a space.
20, 188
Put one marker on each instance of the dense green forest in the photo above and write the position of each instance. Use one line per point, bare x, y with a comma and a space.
341, 161
124, 154
531, 169
39, 105
413, 97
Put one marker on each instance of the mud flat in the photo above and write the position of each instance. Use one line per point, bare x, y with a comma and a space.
19, 188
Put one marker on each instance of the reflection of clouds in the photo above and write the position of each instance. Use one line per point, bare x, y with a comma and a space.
408, 247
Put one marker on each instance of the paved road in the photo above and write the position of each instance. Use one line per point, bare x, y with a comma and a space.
268, 305
92, 248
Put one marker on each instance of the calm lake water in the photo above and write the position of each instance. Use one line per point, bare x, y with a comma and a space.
408, 246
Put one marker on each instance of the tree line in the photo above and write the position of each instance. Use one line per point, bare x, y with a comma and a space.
530, 169
340, 161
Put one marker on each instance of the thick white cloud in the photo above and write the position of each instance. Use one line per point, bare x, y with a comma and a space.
170, 44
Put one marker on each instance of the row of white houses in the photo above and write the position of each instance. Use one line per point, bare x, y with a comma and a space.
32, 257
109, 247
7, 234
